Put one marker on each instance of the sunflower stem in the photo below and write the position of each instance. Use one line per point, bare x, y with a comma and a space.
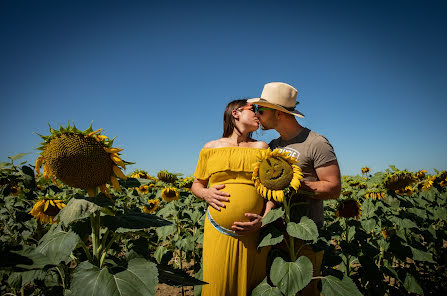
87, 252
95, 224
291, 244
103, 241
62, 277
347, 240
104, 252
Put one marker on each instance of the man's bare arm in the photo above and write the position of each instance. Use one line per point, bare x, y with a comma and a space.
329, 184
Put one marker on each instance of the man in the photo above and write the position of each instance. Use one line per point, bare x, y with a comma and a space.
313, 152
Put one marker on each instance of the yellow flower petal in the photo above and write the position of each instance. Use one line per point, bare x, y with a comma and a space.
118, 173
115, 183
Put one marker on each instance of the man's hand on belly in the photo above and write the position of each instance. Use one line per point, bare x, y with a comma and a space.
246, 227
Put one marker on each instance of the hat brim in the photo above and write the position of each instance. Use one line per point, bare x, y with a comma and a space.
265, 103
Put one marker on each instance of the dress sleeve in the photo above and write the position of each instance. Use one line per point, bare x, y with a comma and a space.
202, 171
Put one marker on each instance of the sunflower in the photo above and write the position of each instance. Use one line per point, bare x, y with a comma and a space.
365, 170
347, 193
151, 207
169, 193
186, 183
46, 209
143, 189
375, 195
275, 172
15, 190
81, 159
406, 191
349, 208
428, 183
398, 180
420, 175
166, 177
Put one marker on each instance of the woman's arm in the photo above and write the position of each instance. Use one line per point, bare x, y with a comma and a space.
213, 196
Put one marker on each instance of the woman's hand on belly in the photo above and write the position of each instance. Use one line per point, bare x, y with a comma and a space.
214, 197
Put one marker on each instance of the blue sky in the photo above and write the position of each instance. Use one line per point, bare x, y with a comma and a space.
371, 75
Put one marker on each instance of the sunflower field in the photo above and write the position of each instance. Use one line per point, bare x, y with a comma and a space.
74, 224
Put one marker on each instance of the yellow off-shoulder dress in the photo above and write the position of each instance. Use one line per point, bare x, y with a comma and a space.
232, 265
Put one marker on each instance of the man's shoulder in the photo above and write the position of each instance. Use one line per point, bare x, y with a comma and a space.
274, 143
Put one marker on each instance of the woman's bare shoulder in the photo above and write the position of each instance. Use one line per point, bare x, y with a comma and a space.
213, 144
259, 144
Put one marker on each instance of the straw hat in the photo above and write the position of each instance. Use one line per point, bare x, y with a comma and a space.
279, 96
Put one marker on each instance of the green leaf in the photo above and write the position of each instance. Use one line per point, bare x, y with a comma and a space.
133, 221
165, 231
419, 255
264, 289
332, 286
412, 285
305, 230
440, 213
403, 223
291, 277
4, 164
368, 208
37, 259
159, 253
76, 209
272, 238
272, 216
18, 156
139, 279
58, 245
21, 279
368, 225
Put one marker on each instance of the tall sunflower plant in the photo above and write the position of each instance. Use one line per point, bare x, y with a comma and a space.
277, 177
91, 224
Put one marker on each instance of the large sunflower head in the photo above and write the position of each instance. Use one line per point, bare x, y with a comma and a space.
349, 208
169, 193
46, 209
81, 159
398, 180
166, 177
275, 172
143, 189
152, 205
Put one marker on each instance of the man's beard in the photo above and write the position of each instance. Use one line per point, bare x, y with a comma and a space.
263, 127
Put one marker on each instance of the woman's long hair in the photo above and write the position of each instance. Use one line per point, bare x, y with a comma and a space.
228, 120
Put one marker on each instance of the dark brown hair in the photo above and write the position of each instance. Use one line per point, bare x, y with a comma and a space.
228, 119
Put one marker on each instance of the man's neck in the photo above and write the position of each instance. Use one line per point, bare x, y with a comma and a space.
290, 130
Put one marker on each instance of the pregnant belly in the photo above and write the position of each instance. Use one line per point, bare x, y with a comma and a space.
243, 199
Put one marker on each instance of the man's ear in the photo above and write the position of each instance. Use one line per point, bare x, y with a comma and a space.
278, 114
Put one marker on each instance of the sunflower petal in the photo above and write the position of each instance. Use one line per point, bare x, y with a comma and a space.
118, 172
95, 132
39, 162
112, 150
91, 192
115, 183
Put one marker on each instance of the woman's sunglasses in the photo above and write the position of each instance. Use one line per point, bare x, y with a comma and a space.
254, 108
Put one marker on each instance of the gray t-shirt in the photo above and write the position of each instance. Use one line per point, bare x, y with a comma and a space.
311, 151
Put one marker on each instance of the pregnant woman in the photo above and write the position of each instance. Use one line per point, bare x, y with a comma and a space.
232, 264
